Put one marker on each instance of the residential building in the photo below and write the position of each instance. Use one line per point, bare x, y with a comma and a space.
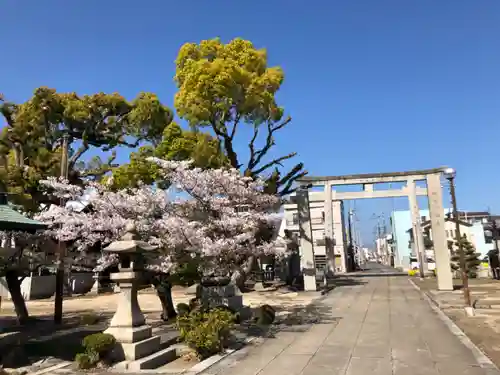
490, 223
473, 233
401, 223
317, 206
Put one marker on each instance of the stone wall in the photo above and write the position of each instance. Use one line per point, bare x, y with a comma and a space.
38, 287
81, 283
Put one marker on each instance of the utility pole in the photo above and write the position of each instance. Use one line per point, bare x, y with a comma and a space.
494, 235
450, 176
58, 303
356, 243
380, 231
350, 251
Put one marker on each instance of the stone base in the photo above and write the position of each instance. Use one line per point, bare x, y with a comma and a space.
140, 349
259, 286
310, 283
130, 334
94, 291
469, 311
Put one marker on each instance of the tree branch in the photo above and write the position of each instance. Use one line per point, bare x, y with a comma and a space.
236, 122
83, 148
102, 169
269, 142
7, 110
251, 146
228, 142
274, 162
295, 173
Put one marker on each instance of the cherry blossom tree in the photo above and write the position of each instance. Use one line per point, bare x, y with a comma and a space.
217, 215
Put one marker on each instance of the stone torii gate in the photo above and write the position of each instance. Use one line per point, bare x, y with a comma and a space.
332, 213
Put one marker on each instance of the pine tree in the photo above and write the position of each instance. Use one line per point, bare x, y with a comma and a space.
472, 260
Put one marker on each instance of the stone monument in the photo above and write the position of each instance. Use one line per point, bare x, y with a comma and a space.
213, 296
128, 326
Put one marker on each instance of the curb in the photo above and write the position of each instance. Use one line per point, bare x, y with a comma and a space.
481, 358
209, 362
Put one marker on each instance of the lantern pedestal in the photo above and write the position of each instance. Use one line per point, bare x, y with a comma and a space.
136, 345
128, 325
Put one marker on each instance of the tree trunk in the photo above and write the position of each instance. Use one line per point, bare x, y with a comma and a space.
290, 270
14, 285
164, 292
239, 277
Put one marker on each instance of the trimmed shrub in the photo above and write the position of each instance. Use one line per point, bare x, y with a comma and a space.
206, 332
100, 343
236, 315
83, 361
183, 309
97, 348
265, 315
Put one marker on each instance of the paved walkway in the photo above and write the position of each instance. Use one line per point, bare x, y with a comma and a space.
383, 327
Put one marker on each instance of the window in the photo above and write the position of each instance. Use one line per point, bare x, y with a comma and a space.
295, 218
318, 219
320, 262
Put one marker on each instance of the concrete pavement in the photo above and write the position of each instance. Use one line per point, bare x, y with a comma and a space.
372, 325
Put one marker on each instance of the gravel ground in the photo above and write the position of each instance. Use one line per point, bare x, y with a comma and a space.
482, 329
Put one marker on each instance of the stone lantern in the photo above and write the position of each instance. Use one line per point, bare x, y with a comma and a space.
128, 325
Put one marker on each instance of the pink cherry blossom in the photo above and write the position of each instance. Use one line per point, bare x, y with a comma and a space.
215, 213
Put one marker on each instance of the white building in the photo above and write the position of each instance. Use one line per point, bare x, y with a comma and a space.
466, 229
384, 249
317, 212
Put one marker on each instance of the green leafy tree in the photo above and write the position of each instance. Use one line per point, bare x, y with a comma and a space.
176, 144
30, 144
472, 261
224, 86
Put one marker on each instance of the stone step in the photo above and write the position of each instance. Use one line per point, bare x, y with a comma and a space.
154, 360
167, 338
142, 348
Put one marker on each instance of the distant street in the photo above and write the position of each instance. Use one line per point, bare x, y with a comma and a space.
369, 325
376, 269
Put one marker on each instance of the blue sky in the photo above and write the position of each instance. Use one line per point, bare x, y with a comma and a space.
372, 86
